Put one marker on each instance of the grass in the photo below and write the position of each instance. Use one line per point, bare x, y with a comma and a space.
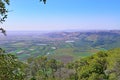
71, 54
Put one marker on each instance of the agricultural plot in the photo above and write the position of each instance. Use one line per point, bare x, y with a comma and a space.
64, 46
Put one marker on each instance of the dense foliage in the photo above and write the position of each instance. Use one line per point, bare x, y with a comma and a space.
104, 65
10, 67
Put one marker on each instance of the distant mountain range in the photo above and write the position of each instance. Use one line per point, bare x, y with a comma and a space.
105, 39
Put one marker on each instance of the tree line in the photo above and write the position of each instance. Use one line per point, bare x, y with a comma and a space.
104, 65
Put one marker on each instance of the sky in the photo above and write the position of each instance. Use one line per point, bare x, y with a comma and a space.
56, 15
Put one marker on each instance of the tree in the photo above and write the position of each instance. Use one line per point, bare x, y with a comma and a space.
4, 12
43, 1
11, 68
2, 51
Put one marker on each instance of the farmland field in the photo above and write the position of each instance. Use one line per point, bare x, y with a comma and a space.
65, 46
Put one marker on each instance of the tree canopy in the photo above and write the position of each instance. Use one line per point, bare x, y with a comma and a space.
3, 10
104, 65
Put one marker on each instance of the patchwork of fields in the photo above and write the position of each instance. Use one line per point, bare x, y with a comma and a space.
65, 46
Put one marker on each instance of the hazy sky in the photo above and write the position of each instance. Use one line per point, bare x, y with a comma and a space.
63, 15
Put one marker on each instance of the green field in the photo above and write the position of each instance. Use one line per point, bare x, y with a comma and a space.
66, 46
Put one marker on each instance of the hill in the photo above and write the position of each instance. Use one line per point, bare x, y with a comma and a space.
66, 46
